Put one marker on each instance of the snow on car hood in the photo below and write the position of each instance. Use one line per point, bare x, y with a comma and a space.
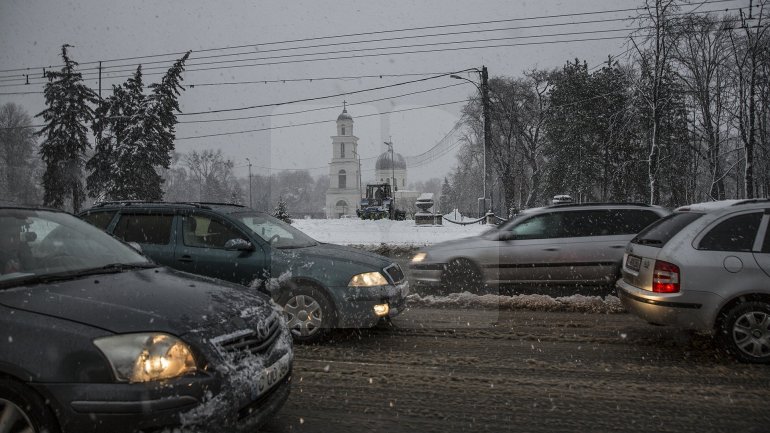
150, 300
332, 252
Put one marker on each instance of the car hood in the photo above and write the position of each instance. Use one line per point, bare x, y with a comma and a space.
157, 299
339, 253
470, 242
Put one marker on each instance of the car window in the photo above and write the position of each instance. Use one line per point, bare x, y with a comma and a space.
37, 243
274, 231
99, 219
737, 233
586, 223
630, 221
766, 242
661, 231
145, 228
205, 232
544, 226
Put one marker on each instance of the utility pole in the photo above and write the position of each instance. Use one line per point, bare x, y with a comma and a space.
483, 88
487, 128
250, 204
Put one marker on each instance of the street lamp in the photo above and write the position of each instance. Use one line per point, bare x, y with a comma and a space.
484, 90
393, 172
250, 204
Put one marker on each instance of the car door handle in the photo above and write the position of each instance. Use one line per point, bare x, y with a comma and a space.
550, 249
617, 246
186, 259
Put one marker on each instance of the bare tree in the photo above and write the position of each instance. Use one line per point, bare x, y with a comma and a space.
747, 50
19, 165
701, 53
655, 61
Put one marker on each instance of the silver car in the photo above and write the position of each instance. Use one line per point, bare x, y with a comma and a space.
559, 244
706, 267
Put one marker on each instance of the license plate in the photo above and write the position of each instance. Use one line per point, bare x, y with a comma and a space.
633, 263
271, 376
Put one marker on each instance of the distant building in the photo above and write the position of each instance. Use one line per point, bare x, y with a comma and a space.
387, 168
343, 195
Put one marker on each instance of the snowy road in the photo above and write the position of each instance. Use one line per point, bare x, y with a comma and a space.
461, 370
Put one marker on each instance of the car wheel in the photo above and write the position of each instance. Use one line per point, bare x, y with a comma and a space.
745, 332
309, 314
22, 410
462, 275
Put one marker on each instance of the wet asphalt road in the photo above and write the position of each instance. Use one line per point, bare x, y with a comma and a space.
468, 371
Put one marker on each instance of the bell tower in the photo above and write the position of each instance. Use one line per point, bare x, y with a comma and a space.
344, 193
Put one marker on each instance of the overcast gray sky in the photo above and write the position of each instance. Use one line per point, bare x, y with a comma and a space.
32, 32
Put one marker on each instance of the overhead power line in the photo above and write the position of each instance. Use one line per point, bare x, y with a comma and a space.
317, 98
269, 128
151, 56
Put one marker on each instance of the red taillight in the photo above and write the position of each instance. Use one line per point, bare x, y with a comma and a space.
665, 277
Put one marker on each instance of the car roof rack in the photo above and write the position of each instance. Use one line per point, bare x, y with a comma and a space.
599, 204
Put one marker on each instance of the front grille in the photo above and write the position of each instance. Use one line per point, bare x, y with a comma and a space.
395, 273
255, 341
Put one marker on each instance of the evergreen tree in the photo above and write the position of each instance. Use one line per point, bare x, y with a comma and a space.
137, 137
65, 139
281, 212
446, 196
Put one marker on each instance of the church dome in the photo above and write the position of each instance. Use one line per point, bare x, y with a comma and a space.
384, 162
344, 115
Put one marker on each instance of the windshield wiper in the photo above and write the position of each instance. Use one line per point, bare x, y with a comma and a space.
112, 268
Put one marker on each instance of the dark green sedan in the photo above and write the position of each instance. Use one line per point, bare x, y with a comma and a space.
320, 286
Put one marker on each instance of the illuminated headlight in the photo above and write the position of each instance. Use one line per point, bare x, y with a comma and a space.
419, 257
146, 357
368, 279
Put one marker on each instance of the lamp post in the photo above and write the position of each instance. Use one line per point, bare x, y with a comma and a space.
484, 91
250, 204
393, 172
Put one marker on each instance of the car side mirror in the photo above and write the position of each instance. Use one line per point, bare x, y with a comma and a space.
30, 237
239, 245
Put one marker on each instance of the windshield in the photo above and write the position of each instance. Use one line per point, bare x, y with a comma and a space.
37, 243
274, 231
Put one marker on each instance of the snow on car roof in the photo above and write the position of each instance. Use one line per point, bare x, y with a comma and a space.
708, 206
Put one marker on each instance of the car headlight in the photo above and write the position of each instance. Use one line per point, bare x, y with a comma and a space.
368, 279
147, 356
419, 257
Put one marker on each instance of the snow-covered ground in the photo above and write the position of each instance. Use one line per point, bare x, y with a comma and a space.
574, 303
354, 231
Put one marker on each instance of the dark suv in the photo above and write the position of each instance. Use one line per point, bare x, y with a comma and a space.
319, 286
559, 244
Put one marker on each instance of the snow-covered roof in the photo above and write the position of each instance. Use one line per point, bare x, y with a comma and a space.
708, 206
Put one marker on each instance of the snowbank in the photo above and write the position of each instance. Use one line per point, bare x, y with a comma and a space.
368, 232
574, 303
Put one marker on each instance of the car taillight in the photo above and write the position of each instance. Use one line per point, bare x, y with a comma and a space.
665, 277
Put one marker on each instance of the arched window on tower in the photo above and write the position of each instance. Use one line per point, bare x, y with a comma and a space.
342, 179
343, 130
342, 150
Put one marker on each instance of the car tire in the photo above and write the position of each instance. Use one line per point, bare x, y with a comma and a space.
462, 275
309, 313
25, 409
745, 331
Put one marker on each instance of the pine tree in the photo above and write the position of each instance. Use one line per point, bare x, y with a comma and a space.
137, 137
281, 212
65, 138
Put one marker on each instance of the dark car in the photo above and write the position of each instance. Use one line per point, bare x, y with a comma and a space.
559, 244
320, 286
95, 337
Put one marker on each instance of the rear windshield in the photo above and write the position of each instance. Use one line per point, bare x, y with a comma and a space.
661, 231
